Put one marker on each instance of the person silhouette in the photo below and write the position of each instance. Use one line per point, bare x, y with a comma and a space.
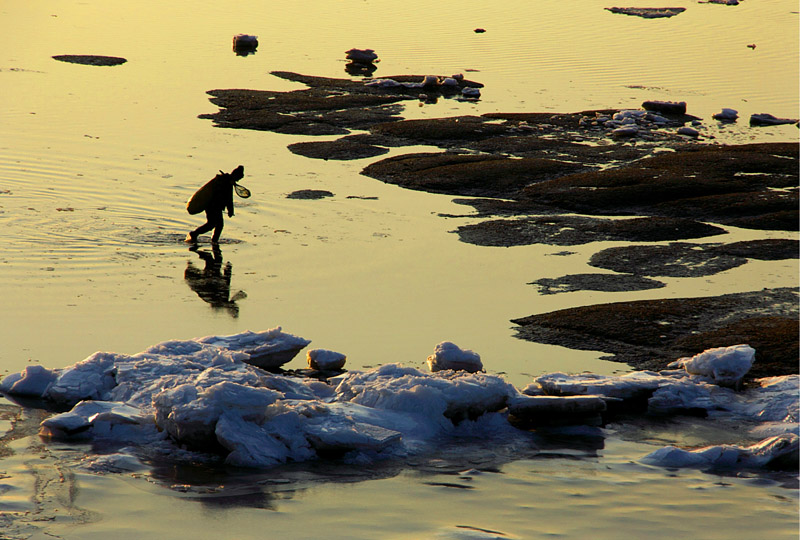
214, 197
213, 283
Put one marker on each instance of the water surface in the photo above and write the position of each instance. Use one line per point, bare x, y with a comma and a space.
96, 164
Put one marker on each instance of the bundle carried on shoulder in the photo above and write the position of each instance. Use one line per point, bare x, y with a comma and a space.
202, 197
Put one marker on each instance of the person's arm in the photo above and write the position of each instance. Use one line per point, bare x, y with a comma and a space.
229, 202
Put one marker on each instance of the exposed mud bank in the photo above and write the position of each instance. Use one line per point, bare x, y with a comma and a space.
650, 334
570, 179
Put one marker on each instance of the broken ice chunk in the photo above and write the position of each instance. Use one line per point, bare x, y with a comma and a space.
447, 355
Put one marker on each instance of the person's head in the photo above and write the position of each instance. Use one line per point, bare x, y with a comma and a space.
237, 173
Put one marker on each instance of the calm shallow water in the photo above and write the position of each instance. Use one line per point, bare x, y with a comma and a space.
96, 163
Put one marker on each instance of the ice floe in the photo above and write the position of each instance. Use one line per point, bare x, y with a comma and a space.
448, 355
724, 365
778, 452
205, 396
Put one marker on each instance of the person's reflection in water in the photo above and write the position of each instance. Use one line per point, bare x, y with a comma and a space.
213, 283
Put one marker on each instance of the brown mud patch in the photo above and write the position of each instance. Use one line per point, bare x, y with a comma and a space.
309, 194
90, 60
342, 149
649, 334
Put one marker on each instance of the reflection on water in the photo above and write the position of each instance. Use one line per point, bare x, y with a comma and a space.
213, 282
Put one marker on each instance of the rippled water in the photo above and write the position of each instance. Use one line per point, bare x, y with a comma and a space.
96, 163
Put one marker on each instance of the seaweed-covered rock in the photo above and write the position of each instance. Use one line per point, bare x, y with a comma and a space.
650, 334
574, 230
648, 13
745, 185
680, 259
466, 174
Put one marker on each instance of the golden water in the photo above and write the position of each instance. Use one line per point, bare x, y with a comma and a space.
96, 163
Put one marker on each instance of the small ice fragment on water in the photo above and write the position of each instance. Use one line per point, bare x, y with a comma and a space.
727, 115
383, 83
33, 381
447, 355
723, 365
112, 463
779, 452
627, 131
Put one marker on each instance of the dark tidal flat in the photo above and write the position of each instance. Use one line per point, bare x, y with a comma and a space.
529, 173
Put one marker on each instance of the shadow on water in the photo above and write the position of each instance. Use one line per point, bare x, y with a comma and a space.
213, 282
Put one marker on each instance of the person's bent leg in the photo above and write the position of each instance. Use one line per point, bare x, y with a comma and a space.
204, 228
218, 224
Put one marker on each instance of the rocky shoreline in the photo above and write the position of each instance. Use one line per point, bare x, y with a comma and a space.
570, 179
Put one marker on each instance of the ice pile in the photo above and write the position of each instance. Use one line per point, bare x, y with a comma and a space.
448, 355
204, 397
201, 395
724, 366
778, 452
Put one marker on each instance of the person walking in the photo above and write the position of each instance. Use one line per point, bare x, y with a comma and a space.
215, 197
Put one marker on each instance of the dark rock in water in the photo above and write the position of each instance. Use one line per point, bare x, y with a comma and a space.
575, 230
691, 260
649, 334
362, 56
244, 44
328, 106
466, 174
674, 260
746, 186
309, 194
673, 108
480, 30
770, 120
90, 60
596, 282
648, 13
340, 150
763, 250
